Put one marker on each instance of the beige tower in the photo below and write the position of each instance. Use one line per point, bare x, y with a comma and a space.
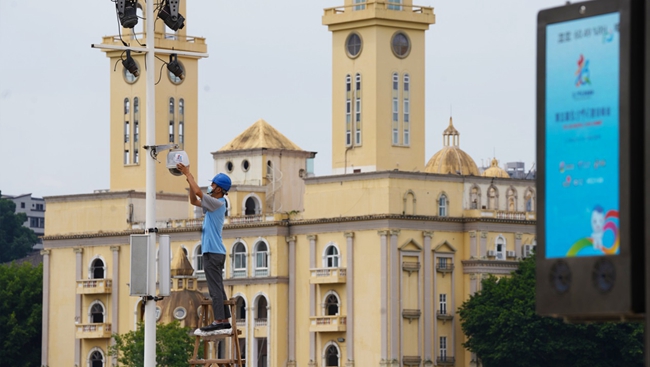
176, 106
378, 85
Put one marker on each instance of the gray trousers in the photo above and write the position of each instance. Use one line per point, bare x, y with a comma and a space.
213, 267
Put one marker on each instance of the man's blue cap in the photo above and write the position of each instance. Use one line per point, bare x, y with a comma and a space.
222, 180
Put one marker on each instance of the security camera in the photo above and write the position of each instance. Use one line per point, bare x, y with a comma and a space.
173, 158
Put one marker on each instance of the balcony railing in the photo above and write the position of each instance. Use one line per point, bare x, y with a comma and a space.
328, 275
499, 214
443, 315
262, 272
93, 331
379, 5
445, 361
328, 323
241, 323
261, 322
94, 286
239, 273
444, 267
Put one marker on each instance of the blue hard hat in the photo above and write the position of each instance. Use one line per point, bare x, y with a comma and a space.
222, 180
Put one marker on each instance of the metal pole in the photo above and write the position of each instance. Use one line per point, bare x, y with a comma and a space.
150, 124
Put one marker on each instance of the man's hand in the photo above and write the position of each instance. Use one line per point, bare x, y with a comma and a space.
183, 168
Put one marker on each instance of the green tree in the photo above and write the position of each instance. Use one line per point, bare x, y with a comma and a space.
503, 329
21, 301
16, 241
174, 346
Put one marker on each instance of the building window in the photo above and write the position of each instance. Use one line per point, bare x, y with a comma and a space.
127, 132
407, 111
136, 156
136, 119
262, 309
127, 106
444, 263
181, 122
443, 304
171, 120
443, 348
96, 313
127, 157
252, 205
241, 310
261, 259
357, 110
442, 205
97, 269
348, 110
394, 4
500, 248
332, 304
353, 45
474, 197
198, 259
22, 205
332, 355
493, 198
96, 358
239, 260
530, 200
331, 258
395, 109
401, 45
359, 7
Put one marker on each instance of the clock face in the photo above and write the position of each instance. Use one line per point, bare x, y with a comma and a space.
401, 45
353, 45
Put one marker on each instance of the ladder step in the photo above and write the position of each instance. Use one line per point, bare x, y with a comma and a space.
209, 361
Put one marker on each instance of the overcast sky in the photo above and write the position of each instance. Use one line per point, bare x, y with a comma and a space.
268, 59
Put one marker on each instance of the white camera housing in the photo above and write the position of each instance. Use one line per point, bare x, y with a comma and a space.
174, 157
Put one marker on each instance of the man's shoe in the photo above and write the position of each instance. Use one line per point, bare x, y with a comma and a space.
224, 326
211, 327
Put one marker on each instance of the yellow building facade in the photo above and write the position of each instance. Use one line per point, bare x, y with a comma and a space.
364, 267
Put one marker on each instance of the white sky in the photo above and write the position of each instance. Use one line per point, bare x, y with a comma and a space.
268, 59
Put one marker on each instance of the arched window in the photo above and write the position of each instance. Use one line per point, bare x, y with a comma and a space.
96, 358
331, 257
261, 308
96, 313
261, 259
530, 200
348, 110
136, 119
331, 356
500, 248
198, 258
171, 120
181, 122
332, 304
511, 196
395, 107
251, 206
407, 111
239, 260
97, 269
127, 106
474, 197
493, 198
241, 309
442, 205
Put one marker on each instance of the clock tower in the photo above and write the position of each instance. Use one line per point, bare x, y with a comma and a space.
176, 105
378, 85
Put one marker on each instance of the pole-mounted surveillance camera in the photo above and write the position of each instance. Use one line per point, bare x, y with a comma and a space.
173, 158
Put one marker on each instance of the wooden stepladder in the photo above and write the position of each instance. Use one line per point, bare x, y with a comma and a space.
210, 359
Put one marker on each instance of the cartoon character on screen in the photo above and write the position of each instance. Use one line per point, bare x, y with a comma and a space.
597, 227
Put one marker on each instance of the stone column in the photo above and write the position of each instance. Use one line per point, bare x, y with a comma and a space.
384, 296
483, 253
349, 284
395, 334
472, 284
473, 254
115, 296
312, 299
291, 240
518, 253
77, 302
428, 297
46, 308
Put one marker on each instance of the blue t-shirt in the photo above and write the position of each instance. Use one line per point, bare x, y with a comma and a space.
215, 213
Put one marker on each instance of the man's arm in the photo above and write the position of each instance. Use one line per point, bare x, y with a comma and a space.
195, 190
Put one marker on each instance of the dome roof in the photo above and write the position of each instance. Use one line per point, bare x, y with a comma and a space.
451, 159
495, 170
